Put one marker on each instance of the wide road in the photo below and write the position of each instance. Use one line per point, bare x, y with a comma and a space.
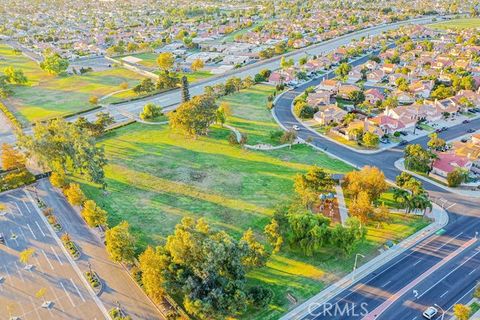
435, 268
173, 98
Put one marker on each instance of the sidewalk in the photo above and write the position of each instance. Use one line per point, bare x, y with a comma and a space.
342, 207
440, 218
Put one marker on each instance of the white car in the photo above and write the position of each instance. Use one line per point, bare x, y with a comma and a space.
430, 312
296, 128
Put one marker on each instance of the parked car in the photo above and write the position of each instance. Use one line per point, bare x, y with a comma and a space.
444, 129
471, 130
296, 128
464, 140
403, 133
2, 239
430, 312
466, 121
403, 143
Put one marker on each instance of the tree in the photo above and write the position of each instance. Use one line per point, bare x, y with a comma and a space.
74, 194
456, 177
58, 179
93, 100
357, 96
25, 255
260, 297
401, 196
361, 207
165, 61
289, 137
220, 116
152, 263
309, 186
285, 64
93, 214
343, 70
368, 179
185, 90
120, 243
272, 231
435, 142
15, 76
462, 312
419, 202
150, 111
197, 64
255, 254
370, 139
418, 159
61, 145
53, 63
194, 117
11, 158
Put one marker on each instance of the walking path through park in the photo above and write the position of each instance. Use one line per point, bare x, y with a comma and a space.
342, 208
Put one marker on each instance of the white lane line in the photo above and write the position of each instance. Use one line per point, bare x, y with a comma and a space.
40, 229
417, 262
25, 204
443, 294
450, 206
19, 271
68, 295
35, 308
472, 271
6, 271
48, 260
18, 208
468, 292
78, 291
30, 228
460, 265
57, 299
23, 234
386, 283
56, 255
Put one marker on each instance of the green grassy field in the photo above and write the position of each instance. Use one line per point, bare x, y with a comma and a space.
465, 23
250, 115
47, 96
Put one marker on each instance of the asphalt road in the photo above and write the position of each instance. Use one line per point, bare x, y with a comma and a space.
374, 290
52, 270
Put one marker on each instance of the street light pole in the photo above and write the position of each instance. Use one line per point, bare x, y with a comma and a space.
355, 264
443, 311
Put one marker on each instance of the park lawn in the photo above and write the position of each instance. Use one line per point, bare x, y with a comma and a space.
197, 75
250, 115
46, 96
156, 177
464, 23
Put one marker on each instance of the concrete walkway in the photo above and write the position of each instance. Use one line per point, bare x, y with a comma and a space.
342, 207
440, 218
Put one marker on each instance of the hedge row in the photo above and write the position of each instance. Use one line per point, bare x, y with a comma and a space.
13, 120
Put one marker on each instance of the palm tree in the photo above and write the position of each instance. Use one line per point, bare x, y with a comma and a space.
401, 196
419, 202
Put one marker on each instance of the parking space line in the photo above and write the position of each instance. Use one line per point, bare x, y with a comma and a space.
23, 234
25, 204
56, 255
78, 291
6, 271
47, 259
443, 294
417, 262
19, 271
68, 295
57, 299
40, 229
35, 308
30, 228
38, 264
18, 208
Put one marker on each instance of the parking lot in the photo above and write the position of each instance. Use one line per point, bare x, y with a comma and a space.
53, 277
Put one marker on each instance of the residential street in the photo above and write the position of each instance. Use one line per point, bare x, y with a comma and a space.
376, 288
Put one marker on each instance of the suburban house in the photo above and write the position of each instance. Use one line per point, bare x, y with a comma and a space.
321, 97
363, 125
388, 124
280, 77
447, 162
403, 97
329, 85
330, 114
447, 105
376, 76
374, 95
421, 88
345, 90
354, 75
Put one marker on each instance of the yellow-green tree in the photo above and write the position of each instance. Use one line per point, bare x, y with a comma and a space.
165, 61
11, 158
462, 312
152, 264
74, 194
93, 214
197, 64
120, 243
25, 255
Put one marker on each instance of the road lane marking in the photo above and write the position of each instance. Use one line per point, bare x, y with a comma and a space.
48, 260
386, 283
18, 208
40, 229
57, 299
456, 268
393, 298
450, 206
38, 264
417, 262
56, 255
68, 295
35, 308
25, 204
443, 294
472, 271
78, 291
23, 234
6, 271
30, 228
19, 272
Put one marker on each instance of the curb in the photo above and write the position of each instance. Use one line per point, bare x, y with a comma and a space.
336, 288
